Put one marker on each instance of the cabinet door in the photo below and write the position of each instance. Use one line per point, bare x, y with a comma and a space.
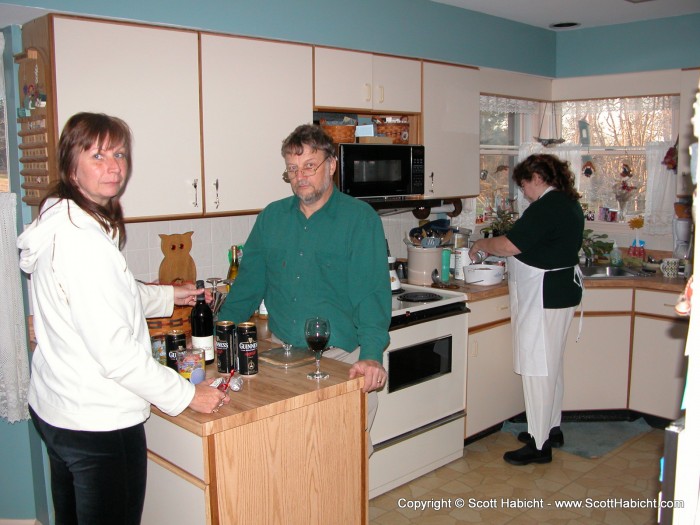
397, 84
596, 367
355, 80
254, 93
343, 79
149, 78
494, 391
659, 366
174, 497
450, 130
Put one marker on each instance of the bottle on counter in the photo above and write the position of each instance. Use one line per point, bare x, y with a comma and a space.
615, 255
233, 265
202, 323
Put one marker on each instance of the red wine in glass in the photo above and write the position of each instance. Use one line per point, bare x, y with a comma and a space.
317, 332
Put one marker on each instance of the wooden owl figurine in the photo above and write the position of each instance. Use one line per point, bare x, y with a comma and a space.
177, 265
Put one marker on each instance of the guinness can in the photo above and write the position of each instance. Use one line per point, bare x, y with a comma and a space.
247, 339
225, 344
174, 341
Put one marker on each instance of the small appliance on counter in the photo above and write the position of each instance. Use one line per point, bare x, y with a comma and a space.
421, 264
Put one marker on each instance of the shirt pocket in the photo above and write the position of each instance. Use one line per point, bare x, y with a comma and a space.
332, 266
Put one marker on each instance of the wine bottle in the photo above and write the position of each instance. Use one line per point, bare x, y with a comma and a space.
202, 322
233, 265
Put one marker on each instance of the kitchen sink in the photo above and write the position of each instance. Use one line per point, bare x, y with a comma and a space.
608, 272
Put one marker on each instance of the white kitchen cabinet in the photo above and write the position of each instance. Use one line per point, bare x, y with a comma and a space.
657, 377
597, 366
254, 93
494, 391
450, 130
363, 81
147, 76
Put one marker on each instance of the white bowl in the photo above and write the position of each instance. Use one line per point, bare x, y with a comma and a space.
483, 274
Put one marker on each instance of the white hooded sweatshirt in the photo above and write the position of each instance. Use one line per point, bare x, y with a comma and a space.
93, 368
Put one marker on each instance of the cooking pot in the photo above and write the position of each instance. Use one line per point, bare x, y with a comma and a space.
421, 263
483, 274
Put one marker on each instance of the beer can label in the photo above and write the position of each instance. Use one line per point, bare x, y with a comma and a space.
246, 336
174, 340
225, 343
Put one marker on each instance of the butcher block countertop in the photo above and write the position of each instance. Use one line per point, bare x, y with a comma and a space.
270, 392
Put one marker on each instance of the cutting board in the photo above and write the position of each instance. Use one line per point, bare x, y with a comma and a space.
177, 265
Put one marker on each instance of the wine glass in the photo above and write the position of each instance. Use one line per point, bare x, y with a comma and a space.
317, 331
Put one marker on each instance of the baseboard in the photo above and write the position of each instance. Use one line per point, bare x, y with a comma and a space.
19, 522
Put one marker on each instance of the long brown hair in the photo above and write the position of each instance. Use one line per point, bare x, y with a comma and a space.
80, 133
554, 172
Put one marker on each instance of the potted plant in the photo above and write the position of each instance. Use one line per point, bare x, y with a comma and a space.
595, 246
501, 223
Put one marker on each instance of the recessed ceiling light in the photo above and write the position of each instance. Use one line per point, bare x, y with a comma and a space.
564, 25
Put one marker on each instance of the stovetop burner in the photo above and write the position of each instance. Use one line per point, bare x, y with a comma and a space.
397, 291
419, 297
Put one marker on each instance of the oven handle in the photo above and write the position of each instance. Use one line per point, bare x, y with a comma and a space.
420, 430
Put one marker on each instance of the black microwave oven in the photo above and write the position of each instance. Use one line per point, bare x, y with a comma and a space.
381, 172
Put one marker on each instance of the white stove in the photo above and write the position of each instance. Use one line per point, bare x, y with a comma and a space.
427, 298
420, 419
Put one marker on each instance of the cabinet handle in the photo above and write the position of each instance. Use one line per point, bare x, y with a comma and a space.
216, 186
195, 183
381, 94
432, 182
475, 349
368, 91
501, 308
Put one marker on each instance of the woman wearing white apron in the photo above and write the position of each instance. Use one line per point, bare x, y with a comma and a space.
545, 286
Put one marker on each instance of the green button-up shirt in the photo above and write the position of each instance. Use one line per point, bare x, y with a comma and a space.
333, 265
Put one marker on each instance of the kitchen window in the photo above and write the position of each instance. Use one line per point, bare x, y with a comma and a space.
609, 139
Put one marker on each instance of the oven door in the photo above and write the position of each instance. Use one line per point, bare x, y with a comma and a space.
427, 367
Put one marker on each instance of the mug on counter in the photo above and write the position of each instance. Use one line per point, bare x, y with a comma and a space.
669, 267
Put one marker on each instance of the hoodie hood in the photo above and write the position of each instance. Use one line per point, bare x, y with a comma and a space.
40, 233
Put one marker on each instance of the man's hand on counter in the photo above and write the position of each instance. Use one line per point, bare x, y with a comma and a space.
375, 375
208, 399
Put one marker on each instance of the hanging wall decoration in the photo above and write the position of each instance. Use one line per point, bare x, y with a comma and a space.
671, 158
588, 169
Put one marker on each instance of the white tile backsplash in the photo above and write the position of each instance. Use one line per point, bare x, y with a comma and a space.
213, 237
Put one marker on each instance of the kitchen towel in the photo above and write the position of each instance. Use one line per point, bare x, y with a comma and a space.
591, 439
14, 358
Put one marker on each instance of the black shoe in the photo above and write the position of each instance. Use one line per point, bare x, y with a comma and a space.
529, 454
556, 437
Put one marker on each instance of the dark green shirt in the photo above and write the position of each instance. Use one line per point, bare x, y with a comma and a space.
549, 235
333, 265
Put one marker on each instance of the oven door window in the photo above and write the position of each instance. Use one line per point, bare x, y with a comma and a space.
419, 363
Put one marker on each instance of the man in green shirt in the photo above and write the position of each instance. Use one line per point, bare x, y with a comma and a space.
318, 253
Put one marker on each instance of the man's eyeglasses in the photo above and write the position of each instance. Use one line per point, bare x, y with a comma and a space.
292, 172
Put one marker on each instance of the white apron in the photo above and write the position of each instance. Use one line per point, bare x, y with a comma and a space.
525, 284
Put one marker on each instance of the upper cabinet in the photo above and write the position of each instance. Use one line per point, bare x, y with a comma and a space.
148, 77
363, 81
450, 130
254, 93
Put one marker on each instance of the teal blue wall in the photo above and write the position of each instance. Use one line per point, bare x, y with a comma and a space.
417, 28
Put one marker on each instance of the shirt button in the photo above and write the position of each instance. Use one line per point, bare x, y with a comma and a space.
301, 254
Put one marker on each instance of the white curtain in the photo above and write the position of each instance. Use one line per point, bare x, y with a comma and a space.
660, 192
14, 358
570, 153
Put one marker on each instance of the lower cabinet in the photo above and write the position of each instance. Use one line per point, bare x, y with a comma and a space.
659, 365
494, 391
596, 367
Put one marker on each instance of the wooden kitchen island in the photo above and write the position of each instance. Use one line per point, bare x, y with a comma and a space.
286, 450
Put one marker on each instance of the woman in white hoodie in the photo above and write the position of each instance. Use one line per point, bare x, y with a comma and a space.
93, 377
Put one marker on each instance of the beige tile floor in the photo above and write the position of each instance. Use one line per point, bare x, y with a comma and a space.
481, 478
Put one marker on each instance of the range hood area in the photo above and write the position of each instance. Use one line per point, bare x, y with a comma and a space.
421, 208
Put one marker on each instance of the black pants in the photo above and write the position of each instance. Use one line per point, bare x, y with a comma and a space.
97, 478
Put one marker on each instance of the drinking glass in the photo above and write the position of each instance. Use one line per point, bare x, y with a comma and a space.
317, 331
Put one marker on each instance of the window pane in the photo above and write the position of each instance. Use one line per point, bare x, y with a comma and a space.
600, 188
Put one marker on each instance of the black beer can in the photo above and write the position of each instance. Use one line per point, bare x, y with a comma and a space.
225, 343
247, 340
174, 340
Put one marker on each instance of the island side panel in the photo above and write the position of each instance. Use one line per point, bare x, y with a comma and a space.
305, 466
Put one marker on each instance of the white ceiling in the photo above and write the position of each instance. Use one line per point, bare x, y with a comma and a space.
588, 13
539, 13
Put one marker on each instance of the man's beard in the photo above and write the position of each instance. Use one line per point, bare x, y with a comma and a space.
315, 196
